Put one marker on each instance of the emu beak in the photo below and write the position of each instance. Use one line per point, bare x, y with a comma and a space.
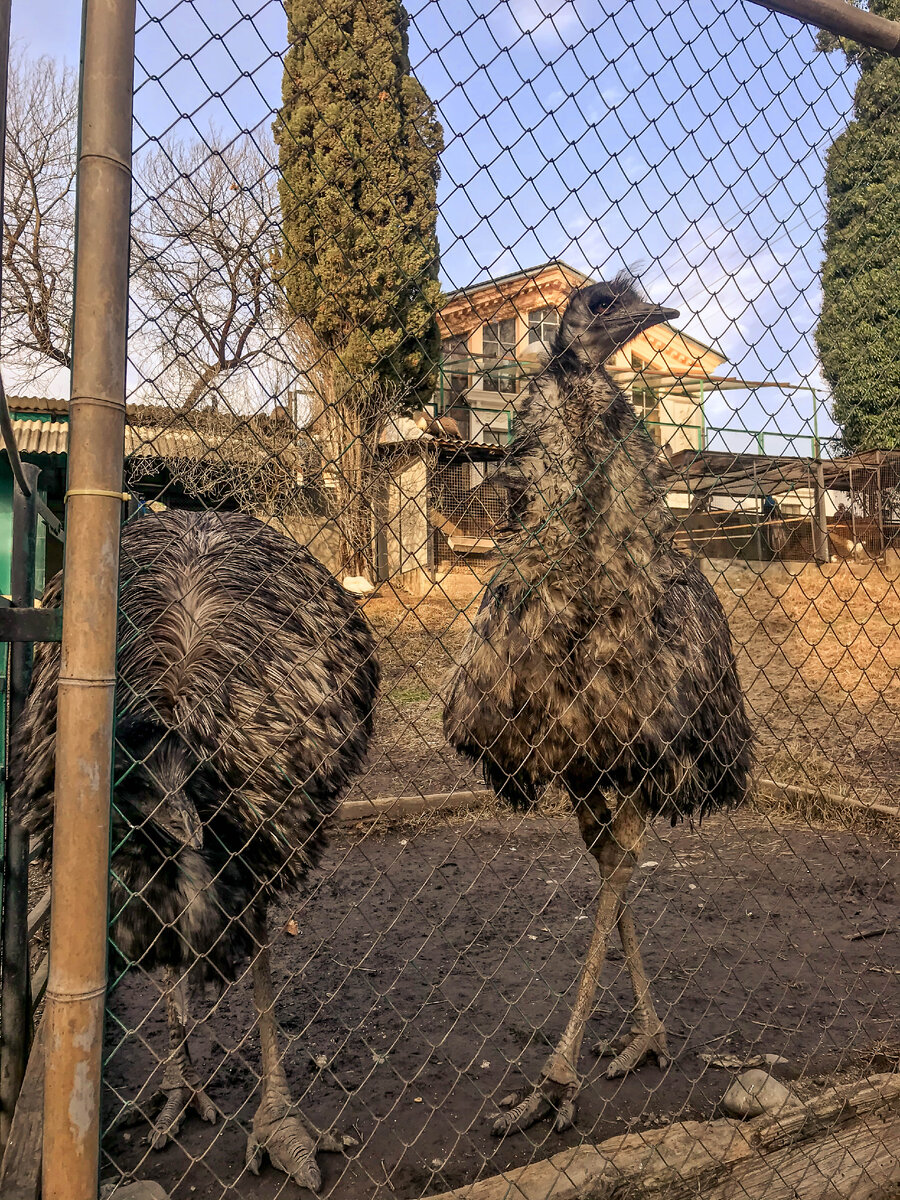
636, 319
660, 314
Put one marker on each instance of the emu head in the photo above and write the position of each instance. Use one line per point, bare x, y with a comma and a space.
605, 317
156, 782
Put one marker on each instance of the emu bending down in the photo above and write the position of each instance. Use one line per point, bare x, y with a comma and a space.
601, 658
246, 680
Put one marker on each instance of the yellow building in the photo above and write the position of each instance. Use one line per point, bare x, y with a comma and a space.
491, 330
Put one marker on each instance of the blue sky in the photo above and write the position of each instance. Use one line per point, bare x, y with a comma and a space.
686, 141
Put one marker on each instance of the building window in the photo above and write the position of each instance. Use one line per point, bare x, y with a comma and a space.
495, 437
499, 347
543, 325
454, 368
643, 396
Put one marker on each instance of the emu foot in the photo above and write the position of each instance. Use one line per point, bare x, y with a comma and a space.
291, 1143
628, 1054
556, 1093
179, 1097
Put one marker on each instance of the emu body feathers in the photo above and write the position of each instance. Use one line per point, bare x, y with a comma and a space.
601, 656
247, 680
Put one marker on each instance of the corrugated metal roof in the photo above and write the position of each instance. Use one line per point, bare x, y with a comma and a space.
38, 404
149, 441
48, 438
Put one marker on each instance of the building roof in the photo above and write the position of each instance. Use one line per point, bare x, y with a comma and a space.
49, 439
710, 472
499, 290
526, 273
38, 404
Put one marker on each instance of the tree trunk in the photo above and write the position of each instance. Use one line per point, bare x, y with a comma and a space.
351, 425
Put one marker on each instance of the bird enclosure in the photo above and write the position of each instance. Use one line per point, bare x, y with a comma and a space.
470, 765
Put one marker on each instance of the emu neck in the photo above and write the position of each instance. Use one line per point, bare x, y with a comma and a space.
585, 473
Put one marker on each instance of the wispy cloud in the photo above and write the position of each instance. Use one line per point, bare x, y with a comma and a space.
544, 19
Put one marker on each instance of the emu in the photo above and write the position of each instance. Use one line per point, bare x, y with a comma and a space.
246, 684
600, 658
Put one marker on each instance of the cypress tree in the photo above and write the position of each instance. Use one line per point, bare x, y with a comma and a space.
858, 334
358, 152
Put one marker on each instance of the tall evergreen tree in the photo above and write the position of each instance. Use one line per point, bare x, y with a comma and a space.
358, 151
858, 335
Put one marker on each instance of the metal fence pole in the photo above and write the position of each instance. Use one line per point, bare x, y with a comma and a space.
15, 997
77, 985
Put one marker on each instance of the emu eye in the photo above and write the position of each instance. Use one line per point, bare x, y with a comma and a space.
598, 301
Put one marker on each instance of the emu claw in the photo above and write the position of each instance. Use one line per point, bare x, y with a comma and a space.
290, 1148
628, 1054
291, 1144
177, 1101
547, 1097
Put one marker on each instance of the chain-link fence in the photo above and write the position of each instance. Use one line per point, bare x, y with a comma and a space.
507, 705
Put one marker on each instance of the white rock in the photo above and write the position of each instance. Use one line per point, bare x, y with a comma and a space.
357, 584
141, 1189
402, 429
756, 1092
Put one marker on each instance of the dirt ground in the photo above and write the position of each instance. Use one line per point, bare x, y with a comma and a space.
432, 965
434, 962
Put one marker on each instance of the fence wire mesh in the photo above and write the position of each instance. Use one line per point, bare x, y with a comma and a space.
379, 317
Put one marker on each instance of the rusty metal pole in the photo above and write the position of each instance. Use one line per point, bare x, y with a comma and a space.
77, 985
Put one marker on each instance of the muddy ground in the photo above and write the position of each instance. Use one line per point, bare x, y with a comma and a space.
433, 964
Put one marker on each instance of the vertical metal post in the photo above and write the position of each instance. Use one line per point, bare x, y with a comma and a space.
15, 996
821, 550
77, 986
702, 439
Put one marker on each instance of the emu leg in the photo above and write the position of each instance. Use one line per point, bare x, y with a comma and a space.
279, 1130
648, 1034
181, 1083
615, 847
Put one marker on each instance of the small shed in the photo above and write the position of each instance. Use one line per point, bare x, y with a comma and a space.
426, 512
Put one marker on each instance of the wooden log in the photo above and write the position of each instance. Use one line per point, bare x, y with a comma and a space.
843, 19
801, 792
20, 1174
405, 806
846, 1142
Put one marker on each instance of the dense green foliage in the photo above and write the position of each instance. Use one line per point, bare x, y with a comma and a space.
858, 335
358, 150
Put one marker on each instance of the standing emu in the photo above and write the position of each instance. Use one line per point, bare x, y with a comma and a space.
246, 683
600, 658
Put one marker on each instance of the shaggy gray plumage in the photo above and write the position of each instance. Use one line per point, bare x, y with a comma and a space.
246, 684
601, 658
247, 679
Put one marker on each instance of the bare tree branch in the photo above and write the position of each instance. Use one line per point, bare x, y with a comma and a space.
206, 255
39, 217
